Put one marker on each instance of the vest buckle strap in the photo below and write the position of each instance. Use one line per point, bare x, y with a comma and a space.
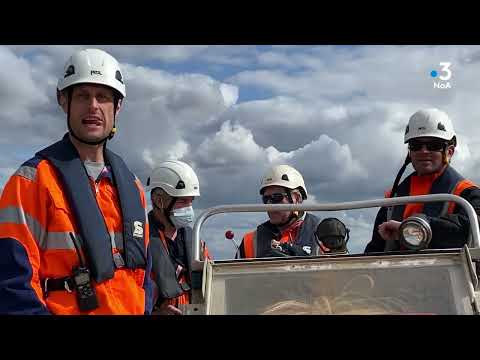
118, 260
51, 284
185, 287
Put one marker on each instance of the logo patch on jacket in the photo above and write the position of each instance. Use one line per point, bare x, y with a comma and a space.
138, 229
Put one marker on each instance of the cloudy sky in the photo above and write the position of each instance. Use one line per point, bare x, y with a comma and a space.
336, 113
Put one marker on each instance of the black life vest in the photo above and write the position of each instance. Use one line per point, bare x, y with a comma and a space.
94, 235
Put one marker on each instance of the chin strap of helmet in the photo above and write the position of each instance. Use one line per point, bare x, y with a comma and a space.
453, 142
293, 215
408, 160
116, 99
166, 211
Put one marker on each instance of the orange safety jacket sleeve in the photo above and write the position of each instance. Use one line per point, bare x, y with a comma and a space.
449, 231
21, 221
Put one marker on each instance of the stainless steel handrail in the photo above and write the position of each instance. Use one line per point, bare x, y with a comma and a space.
472, 216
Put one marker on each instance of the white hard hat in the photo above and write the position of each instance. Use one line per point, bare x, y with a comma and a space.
431, 123
286, 176
92, 66
176, 178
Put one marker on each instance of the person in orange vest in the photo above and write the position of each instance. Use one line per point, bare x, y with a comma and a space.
73, 226
286, 233
431, 141
173, 187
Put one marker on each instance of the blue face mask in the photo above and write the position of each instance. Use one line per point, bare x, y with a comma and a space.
182, 217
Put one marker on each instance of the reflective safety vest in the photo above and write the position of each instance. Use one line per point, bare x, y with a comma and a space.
257, 243
51, 196
173, 281
449, 181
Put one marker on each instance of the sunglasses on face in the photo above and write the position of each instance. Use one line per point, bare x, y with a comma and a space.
431, 145
276, 198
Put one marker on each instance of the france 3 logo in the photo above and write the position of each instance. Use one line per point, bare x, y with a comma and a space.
443, 78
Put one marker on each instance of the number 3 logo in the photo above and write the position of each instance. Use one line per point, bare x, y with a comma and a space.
445, 68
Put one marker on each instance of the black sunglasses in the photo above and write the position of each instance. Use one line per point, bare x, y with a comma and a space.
431, 145
276, 198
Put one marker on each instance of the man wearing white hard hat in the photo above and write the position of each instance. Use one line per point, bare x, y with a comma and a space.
431, 141
173, 187
287, 233
73, 230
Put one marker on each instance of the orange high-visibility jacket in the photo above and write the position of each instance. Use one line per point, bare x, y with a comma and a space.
173, 282
450, 225
35, 221
447, 181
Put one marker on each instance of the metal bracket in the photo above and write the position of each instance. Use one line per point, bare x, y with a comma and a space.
476, 308
471, 267
474, 253
192, 309
473, 275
